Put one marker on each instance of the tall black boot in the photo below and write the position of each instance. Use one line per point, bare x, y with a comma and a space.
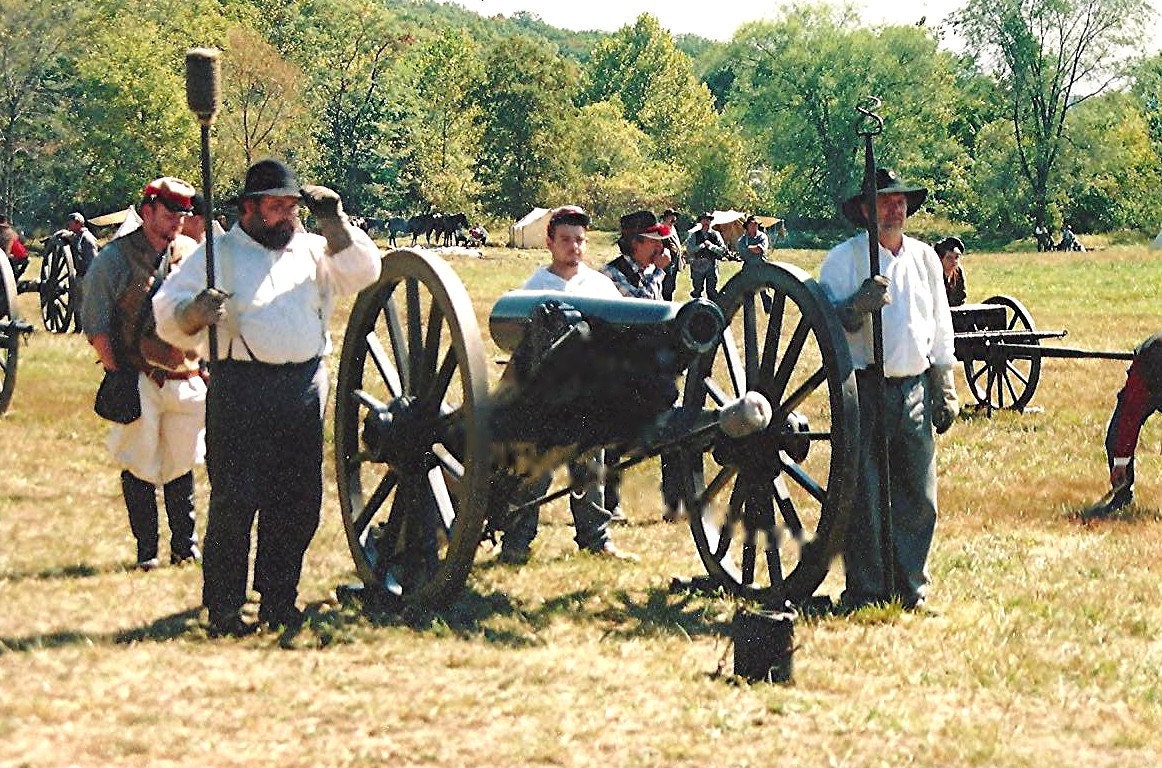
141, 502
179, 508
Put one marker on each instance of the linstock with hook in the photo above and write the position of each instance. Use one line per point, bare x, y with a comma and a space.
869, 124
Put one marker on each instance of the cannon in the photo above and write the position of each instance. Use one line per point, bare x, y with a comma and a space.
1001, 350
428, 459
57, 284
11, 329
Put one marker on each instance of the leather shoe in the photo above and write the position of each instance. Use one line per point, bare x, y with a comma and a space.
234, 626
285, 617
194, 555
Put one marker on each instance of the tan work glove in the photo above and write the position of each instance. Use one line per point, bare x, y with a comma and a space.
942, 391
327, 208
207, 308
871, 295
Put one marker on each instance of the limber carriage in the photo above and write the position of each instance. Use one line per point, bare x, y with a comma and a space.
1001, 350
752, 400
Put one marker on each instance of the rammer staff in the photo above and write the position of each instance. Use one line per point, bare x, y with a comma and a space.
870, 125
203, 95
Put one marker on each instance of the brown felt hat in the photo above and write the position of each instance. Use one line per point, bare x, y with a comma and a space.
886, 182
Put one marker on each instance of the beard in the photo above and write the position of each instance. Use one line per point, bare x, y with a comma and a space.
274, 237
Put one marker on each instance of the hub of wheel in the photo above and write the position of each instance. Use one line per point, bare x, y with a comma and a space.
400, 434
760, 455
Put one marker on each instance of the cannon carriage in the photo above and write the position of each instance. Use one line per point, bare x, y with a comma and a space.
56, 284
11, 330
752, 400
1001, 349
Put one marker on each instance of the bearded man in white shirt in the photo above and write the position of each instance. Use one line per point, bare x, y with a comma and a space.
276, 288
919, 393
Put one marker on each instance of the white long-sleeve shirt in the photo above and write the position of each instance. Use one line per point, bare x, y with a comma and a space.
587, 282
917, 322
282, 299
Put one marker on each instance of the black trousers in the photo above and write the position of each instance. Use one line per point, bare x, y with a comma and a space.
264, 454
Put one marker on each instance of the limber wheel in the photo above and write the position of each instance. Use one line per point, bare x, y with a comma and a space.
768, 512
411, 430
1002, 380
9, 334
57, 278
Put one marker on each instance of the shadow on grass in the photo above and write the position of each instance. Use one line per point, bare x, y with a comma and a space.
494, 618
166, 628
498, 619
76, 571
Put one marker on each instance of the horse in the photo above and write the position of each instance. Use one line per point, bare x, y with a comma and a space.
447, 226
396, 225
422, 224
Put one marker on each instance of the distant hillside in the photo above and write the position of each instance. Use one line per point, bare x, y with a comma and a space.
577, 46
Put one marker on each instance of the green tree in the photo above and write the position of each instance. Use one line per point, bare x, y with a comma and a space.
525, 116
36, 38
263, 112
797, 83
1112, 166
643, 69
1050, 56
350, 50
437, 165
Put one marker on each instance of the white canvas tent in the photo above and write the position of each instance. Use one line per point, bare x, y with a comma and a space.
529, 232
128, 219
1157, 244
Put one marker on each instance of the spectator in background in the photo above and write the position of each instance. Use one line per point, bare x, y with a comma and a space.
950, 249
84, 247
194, 227
638, 273
640, 267
704, 247
14, 249
674, 246
753, 244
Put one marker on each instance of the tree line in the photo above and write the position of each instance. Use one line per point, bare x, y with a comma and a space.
1044, 112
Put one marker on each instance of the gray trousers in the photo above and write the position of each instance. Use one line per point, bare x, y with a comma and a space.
912, 472
590, 518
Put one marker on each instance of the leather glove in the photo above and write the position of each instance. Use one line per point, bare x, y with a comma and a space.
871, 295
942, 391
207, 308
327, 208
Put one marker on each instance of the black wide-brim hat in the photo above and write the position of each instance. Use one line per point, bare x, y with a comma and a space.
270, 177
886, 182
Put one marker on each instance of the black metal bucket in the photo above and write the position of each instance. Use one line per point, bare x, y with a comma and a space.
764, 645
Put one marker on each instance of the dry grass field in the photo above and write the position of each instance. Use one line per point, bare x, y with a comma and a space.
1045, 650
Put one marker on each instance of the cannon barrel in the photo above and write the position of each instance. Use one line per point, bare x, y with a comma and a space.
697, 323
587, 372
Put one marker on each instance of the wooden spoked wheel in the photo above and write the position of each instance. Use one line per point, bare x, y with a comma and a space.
57, 281
9, 334
411, 431
1002, 379
768, 512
